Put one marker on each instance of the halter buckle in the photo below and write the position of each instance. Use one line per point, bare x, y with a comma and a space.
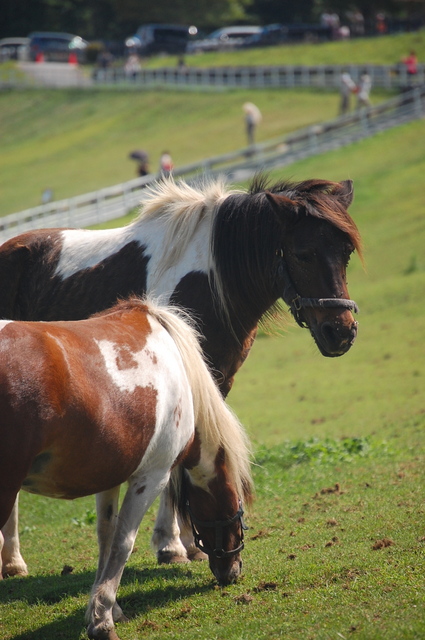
297, 303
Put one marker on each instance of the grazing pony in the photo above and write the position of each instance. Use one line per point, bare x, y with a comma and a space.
226, 256
123, 396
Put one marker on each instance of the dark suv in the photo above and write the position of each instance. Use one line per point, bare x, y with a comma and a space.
161, 38
56, 47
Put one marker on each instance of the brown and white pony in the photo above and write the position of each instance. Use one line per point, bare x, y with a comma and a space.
226, 256
123, 396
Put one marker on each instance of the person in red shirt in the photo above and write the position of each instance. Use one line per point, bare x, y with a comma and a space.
411, 63
166, 164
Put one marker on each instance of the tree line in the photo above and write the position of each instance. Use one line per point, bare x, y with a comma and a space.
116, 19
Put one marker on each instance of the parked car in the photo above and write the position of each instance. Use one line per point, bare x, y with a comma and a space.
306, 32
152, 39
269, 35
14, 49
56, 47
274, 34
223, 39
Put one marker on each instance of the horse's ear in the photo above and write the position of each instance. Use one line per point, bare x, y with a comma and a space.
281, 205
345, 195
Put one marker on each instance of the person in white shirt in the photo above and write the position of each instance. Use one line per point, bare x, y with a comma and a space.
364, 88
347, 87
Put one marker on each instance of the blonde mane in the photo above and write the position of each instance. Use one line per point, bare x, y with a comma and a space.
180, 208
216, 423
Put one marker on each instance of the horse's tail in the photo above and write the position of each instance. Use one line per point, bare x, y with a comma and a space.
216, 423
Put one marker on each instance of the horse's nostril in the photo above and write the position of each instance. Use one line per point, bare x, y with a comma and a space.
328, 332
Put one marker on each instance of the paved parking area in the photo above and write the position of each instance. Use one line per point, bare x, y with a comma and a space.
56, 74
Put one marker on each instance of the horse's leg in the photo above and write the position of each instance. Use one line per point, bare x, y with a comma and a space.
166, 536
139, 497
13, 562
107, 510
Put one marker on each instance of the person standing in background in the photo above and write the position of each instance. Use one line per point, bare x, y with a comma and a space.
253, 117
165, 164
347, 87
364, 88
411, 64
132, 66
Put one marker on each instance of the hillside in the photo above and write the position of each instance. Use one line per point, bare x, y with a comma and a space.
73, 142
336, 539
378, 50
378, 382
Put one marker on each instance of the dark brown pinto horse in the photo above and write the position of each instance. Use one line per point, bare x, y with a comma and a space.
225, 256
123, 396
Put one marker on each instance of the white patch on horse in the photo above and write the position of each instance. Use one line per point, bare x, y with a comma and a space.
145, 370
196, 257
84, 248
3, 323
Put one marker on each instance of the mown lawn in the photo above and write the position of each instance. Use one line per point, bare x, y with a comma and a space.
336, 544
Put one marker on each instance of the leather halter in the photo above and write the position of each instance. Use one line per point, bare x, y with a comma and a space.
218, 525
296, 302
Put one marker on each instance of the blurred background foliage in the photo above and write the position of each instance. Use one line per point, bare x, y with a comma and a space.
116, 19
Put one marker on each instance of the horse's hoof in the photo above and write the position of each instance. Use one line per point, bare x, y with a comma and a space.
117, 614
168, 557
101, 634
121, 618
196, 555
9, 572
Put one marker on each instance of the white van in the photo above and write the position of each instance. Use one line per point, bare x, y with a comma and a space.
223, 39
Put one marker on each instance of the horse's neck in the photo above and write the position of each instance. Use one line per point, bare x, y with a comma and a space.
244, 245
171, 260
200, 463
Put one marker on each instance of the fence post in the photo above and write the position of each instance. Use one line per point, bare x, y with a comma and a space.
70, 213
291, 77
312, 137
417, 98
364, 119
99, 200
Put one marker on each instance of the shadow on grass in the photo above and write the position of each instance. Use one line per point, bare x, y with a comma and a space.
52, 590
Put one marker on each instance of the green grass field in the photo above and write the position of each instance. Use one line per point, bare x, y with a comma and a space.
337, 538
74, 142
336, 546
383, 50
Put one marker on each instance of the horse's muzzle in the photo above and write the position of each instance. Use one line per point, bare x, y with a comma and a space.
333, 338
229, 574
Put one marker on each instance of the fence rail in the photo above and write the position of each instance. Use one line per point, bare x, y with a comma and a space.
260, 77
31, 74
113, 202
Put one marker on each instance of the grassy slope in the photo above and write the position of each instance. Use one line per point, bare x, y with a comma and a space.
73, 142
383, 50
310, 567
76, 141
388, 208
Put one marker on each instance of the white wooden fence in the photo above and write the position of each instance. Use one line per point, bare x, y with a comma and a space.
56, 75
260, 77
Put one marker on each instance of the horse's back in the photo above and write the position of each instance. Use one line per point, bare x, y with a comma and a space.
86, 404
26, 263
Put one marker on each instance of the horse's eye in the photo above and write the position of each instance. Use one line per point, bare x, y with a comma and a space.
349, 249
305, 255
